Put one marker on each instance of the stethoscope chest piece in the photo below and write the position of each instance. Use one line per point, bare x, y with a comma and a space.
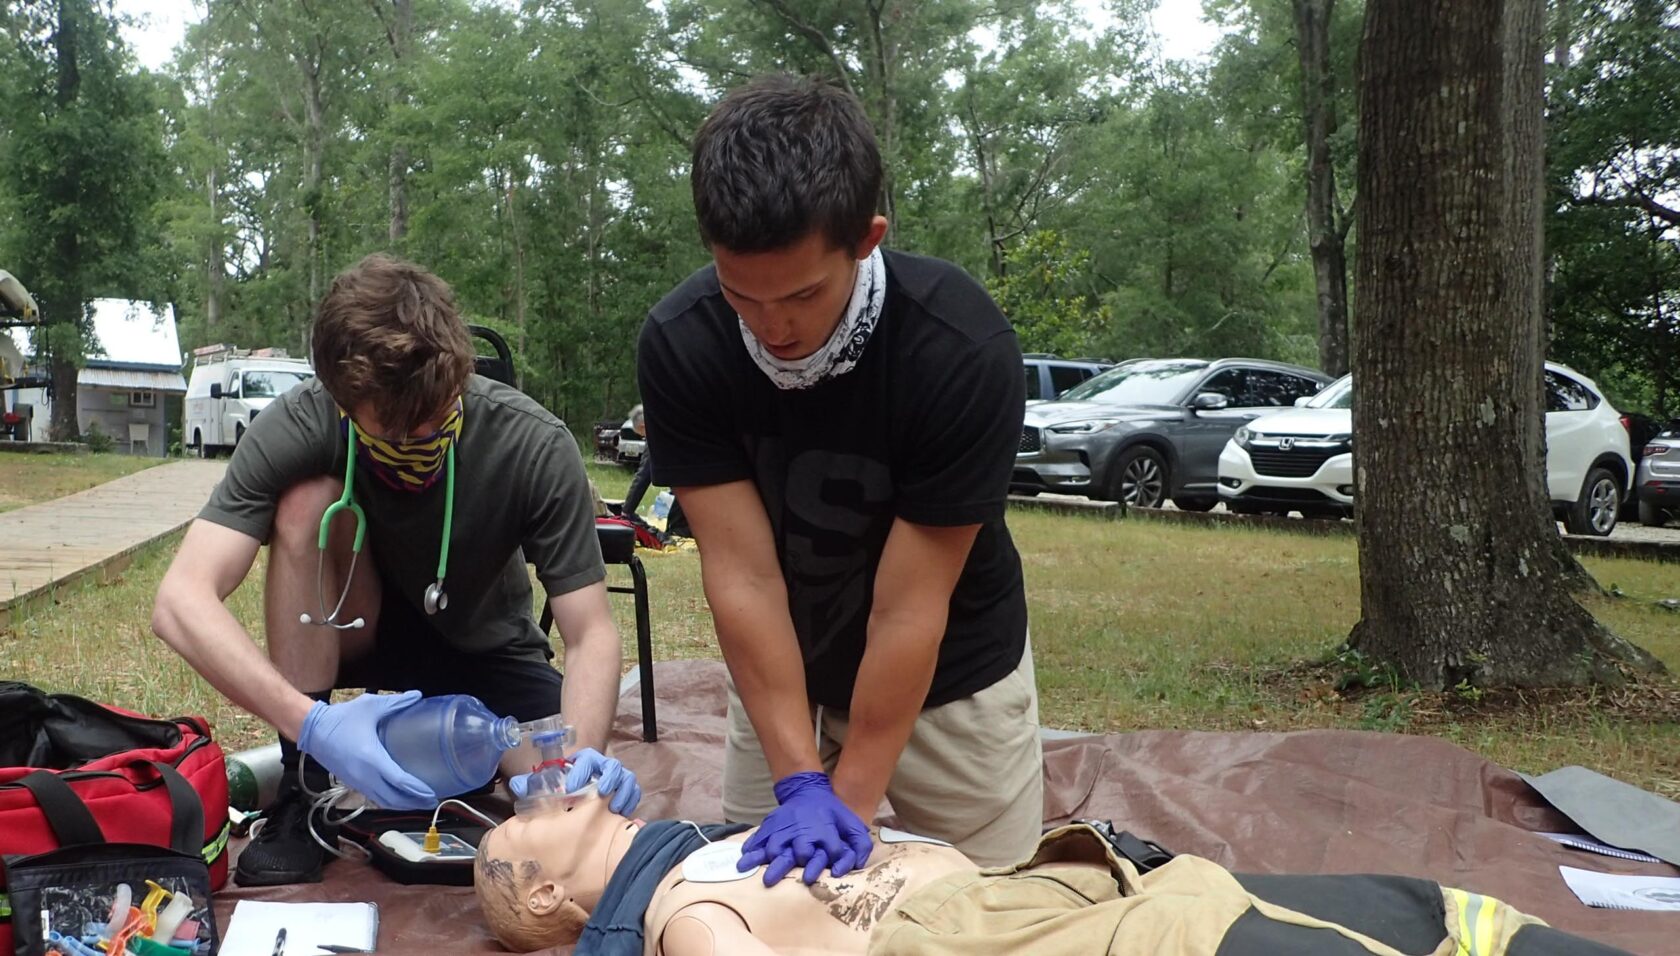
436, 600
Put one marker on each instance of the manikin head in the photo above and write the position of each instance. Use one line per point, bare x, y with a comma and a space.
786, 178
539, 874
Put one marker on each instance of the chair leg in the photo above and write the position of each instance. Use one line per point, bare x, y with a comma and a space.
644, 649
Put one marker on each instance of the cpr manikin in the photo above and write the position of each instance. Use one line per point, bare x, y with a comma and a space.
542, 872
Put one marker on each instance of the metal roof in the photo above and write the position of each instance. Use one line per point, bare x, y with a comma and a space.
133, 379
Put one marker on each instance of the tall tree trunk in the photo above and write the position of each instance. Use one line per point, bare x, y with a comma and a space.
1462, 575
314, 140
401, 29
1325, 235
64, 307
215, 269
511, 200
885, 69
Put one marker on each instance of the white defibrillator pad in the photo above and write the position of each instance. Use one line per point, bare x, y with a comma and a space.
889, 835
715, 863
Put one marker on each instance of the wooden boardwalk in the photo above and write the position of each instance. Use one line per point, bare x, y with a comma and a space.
52, 543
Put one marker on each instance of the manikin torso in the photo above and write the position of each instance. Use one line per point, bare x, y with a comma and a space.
792, 919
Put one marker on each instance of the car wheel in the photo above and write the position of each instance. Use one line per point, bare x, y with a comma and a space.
198, 445
1195, 504
1595, 512
1652, 516
1140, 478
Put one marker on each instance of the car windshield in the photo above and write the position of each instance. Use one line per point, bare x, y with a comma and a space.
268, 384
1138, 383
1338, 394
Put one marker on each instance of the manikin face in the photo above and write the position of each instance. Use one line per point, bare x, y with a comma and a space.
792, 298
570, 839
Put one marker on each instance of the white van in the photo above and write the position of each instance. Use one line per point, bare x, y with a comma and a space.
228, 388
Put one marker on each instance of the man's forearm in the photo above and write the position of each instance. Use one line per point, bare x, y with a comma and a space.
892, 684
202, 630
589, 695
756, 635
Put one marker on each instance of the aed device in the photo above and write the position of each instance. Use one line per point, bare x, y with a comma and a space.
410, 845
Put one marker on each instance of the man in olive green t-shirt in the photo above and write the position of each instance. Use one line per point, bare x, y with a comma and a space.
433, 445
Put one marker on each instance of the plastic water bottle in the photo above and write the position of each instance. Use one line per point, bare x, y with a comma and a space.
662, 504
452, 743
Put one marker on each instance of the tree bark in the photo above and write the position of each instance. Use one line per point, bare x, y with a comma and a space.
1462, 574
314, 140
65, 307
1325, 235
401, 29
215, 268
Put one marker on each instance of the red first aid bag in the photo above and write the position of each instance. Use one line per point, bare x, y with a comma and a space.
92, 797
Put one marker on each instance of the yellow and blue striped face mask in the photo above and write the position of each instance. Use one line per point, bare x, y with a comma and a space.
411, 464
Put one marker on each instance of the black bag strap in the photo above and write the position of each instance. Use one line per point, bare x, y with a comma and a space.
73, 824
186, 809
1144, 854
68, 816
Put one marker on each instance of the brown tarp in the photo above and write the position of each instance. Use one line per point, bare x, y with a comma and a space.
1309, 802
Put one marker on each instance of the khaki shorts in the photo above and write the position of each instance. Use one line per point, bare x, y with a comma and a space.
972, 773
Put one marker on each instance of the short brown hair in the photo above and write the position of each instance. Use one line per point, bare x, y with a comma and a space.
387, 332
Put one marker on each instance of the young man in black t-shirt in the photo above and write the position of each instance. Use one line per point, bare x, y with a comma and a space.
840, 424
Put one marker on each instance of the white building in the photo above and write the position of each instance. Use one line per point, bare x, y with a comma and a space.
130, 385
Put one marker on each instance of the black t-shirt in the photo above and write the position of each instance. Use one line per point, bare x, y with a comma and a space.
924, 428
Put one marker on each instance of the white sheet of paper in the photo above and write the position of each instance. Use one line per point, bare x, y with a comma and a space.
1623, 891
308, 926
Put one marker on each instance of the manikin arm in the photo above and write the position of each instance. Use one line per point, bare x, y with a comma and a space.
710, 929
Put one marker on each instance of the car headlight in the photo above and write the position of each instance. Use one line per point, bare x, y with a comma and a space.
1346, 438
1243, 436
1089, 426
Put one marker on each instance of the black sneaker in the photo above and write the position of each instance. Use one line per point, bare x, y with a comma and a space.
283, 852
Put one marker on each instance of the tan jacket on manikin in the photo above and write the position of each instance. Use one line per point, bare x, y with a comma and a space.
1077, 897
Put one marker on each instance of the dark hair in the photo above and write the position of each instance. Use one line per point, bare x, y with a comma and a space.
783, 156
387, 332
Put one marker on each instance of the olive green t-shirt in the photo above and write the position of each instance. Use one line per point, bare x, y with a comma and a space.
521, 495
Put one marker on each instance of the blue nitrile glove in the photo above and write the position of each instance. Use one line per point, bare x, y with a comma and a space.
615, 779
812, 828
345, 739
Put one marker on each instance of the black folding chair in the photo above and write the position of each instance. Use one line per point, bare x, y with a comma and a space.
618, 546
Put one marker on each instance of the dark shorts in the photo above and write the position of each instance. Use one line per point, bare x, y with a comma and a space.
409, 654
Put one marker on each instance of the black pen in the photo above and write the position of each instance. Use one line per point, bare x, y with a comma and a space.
335, 948
280, 942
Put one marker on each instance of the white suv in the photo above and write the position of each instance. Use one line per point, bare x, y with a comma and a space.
1302, 459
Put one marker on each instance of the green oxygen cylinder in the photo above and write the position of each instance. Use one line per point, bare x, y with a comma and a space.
253, 777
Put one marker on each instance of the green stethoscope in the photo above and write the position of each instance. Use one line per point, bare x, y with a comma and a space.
435, 599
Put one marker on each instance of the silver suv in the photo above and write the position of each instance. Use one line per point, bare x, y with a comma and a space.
1659, 479
1151, 429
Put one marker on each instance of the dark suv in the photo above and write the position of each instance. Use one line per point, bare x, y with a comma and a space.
1049, 375
1151, 429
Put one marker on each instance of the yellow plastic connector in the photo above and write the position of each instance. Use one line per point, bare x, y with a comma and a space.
434, 842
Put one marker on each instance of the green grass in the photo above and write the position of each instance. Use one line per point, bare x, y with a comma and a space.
27, 479
1135, 625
